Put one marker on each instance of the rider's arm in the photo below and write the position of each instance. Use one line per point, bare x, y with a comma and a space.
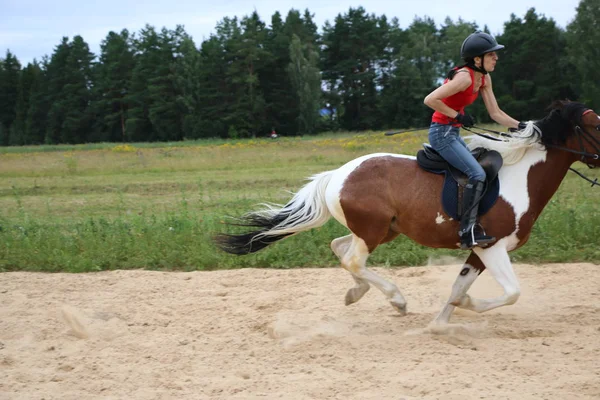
459, 83
487, 93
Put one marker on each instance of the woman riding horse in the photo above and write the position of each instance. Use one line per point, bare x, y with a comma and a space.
460, 89
380, 196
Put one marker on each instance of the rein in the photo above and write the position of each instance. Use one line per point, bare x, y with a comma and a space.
581, 134
504, 134
406, 131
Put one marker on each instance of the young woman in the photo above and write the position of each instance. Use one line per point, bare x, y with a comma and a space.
460, 89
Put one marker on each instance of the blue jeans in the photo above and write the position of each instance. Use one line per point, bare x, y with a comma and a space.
446, 140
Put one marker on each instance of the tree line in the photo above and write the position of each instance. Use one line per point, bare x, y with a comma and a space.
359, 72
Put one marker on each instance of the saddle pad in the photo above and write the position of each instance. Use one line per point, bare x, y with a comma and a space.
450, 195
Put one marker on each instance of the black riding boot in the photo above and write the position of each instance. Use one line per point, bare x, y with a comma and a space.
471, 233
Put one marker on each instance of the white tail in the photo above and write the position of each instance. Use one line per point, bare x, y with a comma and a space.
306, 210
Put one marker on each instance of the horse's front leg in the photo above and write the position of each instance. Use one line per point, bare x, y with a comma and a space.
497, 261
472, 268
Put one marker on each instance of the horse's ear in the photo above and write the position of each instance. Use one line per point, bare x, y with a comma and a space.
556, 104
556, 113
573, 112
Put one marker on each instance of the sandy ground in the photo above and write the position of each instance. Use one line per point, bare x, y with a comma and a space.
251, 333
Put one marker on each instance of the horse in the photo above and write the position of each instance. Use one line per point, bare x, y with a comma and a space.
381, 196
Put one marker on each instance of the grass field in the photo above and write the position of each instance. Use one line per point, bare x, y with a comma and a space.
109, 206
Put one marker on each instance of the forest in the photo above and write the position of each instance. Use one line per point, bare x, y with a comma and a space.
359, 72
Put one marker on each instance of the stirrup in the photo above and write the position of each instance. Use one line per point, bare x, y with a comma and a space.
468, 239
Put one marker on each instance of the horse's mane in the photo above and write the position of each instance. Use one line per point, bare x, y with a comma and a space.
553, 129
512, 149
557, 125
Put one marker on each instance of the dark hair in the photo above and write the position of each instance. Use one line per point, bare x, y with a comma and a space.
470, 63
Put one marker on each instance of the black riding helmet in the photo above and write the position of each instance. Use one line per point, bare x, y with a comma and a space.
477, 44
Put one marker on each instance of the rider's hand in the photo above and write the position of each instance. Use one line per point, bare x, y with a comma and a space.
520, 127
465, 120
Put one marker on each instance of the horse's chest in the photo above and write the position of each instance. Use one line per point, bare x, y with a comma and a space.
514, 190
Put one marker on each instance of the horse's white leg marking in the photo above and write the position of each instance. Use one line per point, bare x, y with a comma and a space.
463, 282
497, 261
354, 260
340, 247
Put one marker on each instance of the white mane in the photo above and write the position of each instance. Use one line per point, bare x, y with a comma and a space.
511, 148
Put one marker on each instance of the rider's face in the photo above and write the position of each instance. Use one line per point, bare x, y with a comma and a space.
489, 61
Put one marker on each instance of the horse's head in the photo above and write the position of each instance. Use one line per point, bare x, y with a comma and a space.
575, 128
590, 127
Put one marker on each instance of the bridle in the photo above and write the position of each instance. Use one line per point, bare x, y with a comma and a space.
583, 135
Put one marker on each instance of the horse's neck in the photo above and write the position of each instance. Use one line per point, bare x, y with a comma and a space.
529, 184
544, 178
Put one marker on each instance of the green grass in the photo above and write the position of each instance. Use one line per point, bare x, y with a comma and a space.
114, 206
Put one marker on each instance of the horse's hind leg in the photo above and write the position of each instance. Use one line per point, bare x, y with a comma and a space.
340, 246
353, 253
470, 271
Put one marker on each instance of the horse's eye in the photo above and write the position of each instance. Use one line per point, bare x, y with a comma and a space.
598, 127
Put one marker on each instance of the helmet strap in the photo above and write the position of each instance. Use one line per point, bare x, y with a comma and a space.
471, 64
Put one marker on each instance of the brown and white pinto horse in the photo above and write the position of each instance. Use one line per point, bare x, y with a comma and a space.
380, 196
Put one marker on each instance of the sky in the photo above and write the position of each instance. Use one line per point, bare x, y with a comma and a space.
33, 28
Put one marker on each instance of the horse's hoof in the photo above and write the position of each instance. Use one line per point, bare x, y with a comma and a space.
355, 294
348, 299
351, 297
399, 306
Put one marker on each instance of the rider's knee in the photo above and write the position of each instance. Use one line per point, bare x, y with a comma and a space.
477, 174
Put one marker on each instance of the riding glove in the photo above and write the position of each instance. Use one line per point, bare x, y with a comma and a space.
465, 120
520, 127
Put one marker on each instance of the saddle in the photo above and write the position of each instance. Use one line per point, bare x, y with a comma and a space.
454, 181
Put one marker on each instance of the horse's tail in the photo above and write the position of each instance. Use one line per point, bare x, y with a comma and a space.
306, 210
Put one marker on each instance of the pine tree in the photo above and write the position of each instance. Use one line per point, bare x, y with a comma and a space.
165, 112
187, 73
247, 58
280, 102
113, 80
306, 80
524, 81
583, 38
148, 59
10, 69
213, 94
27, 80
56, 81
353, 48
39, 105
75, 94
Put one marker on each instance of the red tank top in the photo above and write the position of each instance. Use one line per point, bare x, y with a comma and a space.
458, 101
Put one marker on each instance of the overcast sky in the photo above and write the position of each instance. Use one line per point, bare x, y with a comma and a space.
32, 28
